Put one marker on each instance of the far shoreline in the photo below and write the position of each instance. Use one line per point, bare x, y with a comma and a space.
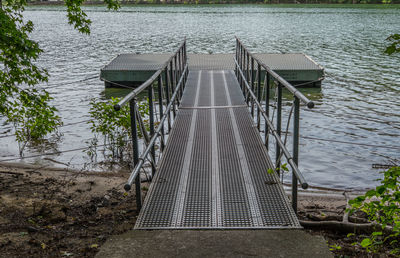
217, 3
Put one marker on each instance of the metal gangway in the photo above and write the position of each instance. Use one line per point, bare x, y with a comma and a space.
209, 149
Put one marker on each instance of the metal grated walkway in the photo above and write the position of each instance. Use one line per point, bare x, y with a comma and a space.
214, 170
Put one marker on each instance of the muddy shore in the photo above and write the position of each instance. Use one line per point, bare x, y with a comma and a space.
53, 212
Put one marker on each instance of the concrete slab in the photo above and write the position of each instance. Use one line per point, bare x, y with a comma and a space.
215, 243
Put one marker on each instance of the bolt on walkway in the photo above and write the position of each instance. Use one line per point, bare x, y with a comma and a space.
213, 173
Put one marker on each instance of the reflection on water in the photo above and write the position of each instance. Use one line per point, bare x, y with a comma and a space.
357, 102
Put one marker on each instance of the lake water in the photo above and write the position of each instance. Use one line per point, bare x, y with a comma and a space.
355, 124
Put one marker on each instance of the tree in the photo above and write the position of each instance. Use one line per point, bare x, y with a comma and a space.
21, 101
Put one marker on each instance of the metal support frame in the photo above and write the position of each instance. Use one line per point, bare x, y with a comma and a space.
246, 80
267, 97
175, 71
135, 147
258, 94
296, 135
151, 125
278, 127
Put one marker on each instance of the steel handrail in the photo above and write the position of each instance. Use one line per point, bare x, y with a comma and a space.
291, 88
289, 158
142, 158
149, 81
175, 70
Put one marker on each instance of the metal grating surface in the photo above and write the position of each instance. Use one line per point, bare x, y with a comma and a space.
214, 170
152, 62
292, 61
137, 62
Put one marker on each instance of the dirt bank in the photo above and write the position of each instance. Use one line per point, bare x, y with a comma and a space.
52, 212
56, 213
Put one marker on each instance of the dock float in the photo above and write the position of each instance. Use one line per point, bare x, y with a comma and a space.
133, 69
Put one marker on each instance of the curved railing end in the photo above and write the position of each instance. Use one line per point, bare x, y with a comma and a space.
127, 187
117, 107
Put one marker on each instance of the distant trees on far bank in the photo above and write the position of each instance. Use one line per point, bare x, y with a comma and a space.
233, 1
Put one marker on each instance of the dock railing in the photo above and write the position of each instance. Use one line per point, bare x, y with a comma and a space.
256, 90
170, 80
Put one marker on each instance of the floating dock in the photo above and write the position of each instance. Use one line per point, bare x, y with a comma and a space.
134, 69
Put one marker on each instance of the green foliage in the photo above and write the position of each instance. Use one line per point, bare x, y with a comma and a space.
282, 168
395, 44
21, 103
382, 206
33, 118
112, 126
78, 18
334, 247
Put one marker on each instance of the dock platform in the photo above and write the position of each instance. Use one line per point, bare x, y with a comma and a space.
134, 69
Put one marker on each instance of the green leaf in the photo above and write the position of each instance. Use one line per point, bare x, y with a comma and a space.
366, 242
370, 193
376, 233
381, 189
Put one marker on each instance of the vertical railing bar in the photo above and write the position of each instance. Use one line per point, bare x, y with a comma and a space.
180, 70
252, 85
237, 58
172, 87
278, 125
247, 67
180, 63
296, 135
135, 147
167, 96
267, 97
258, 94
160, 106
242, 68
151, 122
176, 78
247, 77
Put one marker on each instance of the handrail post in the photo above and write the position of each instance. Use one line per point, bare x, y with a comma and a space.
239, 61
237, 58
296, 135
258, 94
252, 85
184, 65
247, 66
151, 121
160, 105
267, 97
176, 77
167, 95
242, 68
172, 87
247, 73
278, 126
179, 70
132, 109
